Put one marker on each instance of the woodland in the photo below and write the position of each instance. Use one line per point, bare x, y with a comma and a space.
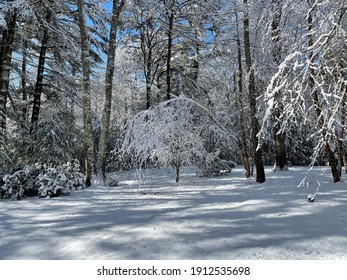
88, 87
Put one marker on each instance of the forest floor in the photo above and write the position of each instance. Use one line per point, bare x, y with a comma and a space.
149, 216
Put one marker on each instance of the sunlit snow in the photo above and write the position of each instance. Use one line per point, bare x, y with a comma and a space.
149, 216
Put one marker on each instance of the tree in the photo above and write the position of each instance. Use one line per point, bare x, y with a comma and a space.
40, 73
258, 158
314, 94
172, 136
5, 68
305, 77
149, 36
106, 115
280, 147
87, 124
239, 79
164, 135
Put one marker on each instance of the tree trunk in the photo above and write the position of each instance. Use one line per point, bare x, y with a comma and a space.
169, 54
149, 79
245, 152
87, 124
342, 150
280, 138
258, 158
177, 166
39, 79
314, 95
280, 149
106, 114
24, 80
148, 36
5, 70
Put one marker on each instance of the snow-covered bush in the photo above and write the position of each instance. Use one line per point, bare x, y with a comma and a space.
112, 181
22, 182
42, 181
60, 181
210, 164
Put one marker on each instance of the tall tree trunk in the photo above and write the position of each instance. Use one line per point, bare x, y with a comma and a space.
5, 70
39, 79
106, 114
149, 79
87, 123
177, 168
341, 137
169, 53
24, 80
245, 152
280, 147
315, 98
258, 158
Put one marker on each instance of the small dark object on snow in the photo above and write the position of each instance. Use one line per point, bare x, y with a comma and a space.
112, 182
310, 198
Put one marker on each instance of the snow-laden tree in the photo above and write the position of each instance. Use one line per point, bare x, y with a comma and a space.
311, 80
172, 133
167, 134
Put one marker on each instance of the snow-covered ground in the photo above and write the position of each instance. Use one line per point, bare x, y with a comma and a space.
149, 216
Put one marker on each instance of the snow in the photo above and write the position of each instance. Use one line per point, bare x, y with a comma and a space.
149, 216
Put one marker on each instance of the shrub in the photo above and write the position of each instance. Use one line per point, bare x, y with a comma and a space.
40, 180
211, 165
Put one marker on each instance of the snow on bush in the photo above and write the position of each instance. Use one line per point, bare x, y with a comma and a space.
41, 180
210, 164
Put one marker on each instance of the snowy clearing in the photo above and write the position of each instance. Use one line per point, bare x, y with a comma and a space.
149, 216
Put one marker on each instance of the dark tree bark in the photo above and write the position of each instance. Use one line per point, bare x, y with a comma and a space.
5, 70
245, 152
315, 98
342, 149
40, 76
258, 158
171, 17
280, 138
177, 167
146, 35
341, 134
148, 79
24, 79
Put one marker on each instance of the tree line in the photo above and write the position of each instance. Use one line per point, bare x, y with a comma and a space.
256, 82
